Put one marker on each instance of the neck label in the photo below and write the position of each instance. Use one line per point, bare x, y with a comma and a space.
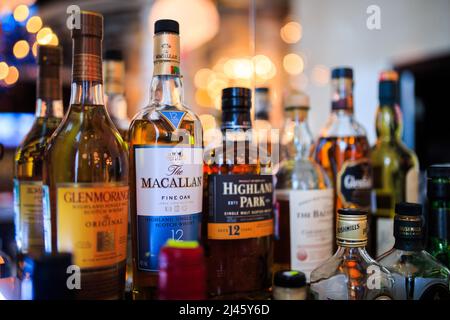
166, 57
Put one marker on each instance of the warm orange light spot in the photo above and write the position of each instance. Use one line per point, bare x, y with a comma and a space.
13, 76
34, 24
21, 49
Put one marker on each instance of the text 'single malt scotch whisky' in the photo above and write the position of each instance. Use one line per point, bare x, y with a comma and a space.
351, 274
114, 77
343, 148
238, 199
166, 161
86, 176
395, 167
304, 228
30, 154
417, 274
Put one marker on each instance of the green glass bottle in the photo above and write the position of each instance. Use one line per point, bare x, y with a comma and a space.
29, 155
395, 167
438, 193
85, 176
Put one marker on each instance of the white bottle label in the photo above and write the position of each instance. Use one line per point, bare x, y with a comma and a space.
168, 198
311, 222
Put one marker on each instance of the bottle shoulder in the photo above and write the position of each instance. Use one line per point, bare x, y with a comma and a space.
303, 174
342, 125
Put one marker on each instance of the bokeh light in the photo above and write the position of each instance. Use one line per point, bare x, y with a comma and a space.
44, 36
12, 77
34, 24
293, 63
21, 13
34, 48
201, 78
4, 69
291, 32
21, 49
320, 75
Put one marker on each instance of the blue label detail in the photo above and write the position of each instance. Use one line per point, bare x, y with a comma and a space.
154, 231
174, 117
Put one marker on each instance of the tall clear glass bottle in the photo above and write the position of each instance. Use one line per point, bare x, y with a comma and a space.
395, 167
86, 176
30, 154
417, 274
114, 77
351, 274
343, 148
166, 161
304, 227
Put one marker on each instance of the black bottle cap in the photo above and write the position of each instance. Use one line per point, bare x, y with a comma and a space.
408, 209
114, 55
352, 212
262, 89
236, 98
167, 25
289, 279
439, 171
342, 72
49, 276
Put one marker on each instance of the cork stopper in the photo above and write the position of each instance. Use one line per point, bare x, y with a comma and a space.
49, 80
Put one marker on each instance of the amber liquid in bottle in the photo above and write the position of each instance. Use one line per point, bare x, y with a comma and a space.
239, 259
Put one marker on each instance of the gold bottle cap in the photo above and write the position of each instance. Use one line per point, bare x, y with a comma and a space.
351, 228
389, 75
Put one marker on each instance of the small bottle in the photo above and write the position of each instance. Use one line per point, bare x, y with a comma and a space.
29, 156
85, 176
343, 148
289, 285
395, 167
438, 193
304, 228
114, 77
182, 271
351, 274
417, 274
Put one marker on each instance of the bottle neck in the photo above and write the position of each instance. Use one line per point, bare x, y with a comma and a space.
166, 90
408, 244
342, 95
49, 108
302, 137
114, 76
87, 93
49, 92
388, 123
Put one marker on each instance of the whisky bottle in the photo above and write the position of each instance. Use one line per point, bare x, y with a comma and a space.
304, 228
351, 274
417, 274
166, 161
114, 77
85, 192
238, 199
30, 154
343, 149
438, 194
395, 167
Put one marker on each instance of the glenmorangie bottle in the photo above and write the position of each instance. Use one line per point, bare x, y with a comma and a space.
86, 176
166, 160
30, 154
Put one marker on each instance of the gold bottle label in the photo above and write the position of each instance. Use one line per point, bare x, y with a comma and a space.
92, 222
166, 56
351, 230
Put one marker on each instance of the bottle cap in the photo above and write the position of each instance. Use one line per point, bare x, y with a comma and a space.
351, 228
236, 98
262, 89
114, 55
342, 72
438, 186
439, 171
91, 24
289, 279
408, 223
49, 55
389, 75
167, 25
297, 100
408, 209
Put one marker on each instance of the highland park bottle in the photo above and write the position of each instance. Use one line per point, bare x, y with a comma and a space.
238, 229
29, 155
86, 176
114, 76
343, 149
395, 167
417, 274
166, 159
351, 274
304, 232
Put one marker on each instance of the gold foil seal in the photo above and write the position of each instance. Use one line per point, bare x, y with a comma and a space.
351, 230
166, 54
113, 75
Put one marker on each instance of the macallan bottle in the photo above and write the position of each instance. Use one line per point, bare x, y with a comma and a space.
395, 167
30, 154
304, 229
343, 148
114, 77
85, 193
166, 161
238, 229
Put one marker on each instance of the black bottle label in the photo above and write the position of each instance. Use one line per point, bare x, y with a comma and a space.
354, 183
240, 206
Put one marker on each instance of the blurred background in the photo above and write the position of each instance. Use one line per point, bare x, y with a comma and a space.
283, 45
